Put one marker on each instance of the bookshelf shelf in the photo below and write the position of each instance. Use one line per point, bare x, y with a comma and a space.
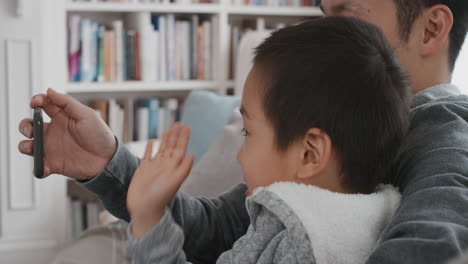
194, 9
137, 86
274, 11
132, 7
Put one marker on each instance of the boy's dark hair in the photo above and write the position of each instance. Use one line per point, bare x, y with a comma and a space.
340, 75
409, 10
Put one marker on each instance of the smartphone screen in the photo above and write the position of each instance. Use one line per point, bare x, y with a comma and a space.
38, 143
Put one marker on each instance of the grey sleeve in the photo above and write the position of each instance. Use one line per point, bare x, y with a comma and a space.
210, 226
111, 185
431, 225
162, 244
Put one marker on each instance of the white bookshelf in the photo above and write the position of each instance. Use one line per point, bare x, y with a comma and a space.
225, 12
143, 7
138, 86
274, 11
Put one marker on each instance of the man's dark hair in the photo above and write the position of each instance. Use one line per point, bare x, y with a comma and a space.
409, 10
340, 75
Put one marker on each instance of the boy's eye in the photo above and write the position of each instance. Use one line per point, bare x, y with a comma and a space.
244, 132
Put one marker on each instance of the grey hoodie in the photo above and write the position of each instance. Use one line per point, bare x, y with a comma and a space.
430, 226
290, 223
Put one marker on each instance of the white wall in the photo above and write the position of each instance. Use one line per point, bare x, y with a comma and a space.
460, 75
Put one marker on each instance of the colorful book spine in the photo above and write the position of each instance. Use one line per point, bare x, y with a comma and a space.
154, 106
74, 48
130, 55
100, 60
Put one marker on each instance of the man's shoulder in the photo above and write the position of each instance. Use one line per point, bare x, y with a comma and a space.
438, 136
438, 113
440, 100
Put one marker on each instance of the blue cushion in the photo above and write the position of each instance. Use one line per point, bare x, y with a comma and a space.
206, 113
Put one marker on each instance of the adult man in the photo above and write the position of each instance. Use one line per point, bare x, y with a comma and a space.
431, 224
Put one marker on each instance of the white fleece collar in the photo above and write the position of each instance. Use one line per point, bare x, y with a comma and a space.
343, 228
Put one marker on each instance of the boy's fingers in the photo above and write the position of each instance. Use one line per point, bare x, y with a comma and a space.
149, 150
163, 144
26, 147
26, 127
185, 166
181, 145
172, 140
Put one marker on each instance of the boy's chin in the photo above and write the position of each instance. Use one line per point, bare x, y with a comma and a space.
248, 192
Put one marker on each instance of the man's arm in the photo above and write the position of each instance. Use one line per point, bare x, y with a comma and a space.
210, 226
431, 225
111, 185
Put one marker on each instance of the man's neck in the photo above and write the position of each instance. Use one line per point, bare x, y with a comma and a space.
429, 74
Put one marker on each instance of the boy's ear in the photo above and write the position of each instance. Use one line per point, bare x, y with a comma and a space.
438, 22
315, 153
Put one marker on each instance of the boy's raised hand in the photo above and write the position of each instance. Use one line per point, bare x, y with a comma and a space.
158, 178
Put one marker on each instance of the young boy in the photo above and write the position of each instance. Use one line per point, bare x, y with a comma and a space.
325, 109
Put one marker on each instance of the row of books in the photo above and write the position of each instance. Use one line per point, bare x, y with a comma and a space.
279, 3
149, 48
138, 120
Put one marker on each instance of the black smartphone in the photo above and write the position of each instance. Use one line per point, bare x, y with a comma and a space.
38, 143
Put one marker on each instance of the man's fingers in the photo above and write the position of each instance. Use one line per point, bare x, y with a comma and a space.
41, 100
26, 127
149, 150
68, 104
26, 147
47, 171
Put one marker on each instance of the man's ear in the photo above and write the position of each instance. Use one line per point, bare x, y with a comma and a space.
315, 153
437, 22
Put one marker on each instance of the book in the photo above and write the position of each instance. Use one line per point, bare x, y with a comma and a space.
185, 51
107, 56
137, 57
101, 106
112, 56
194, 47
153, 118
178, 48
87, 70
100, 60
129, 120
201, 53
119, 51
162, 48
142, 117
207, 49
171, 47
130, 55
74, 48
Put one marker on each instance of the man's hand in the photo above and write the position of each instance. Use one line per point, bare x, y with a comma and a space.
158, 179
77, 142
